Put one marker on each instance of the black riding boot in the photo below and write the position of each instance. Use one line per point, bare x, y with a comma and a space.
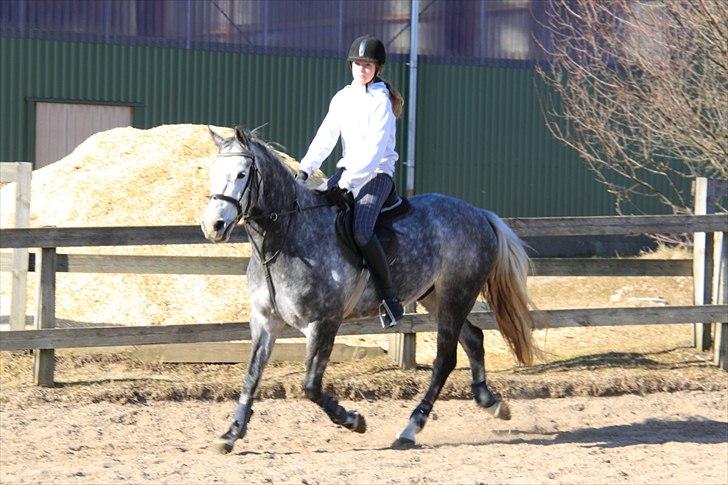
390, 308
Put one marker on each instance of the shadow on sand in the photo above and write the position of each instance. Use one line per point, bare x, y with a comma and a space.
623, 360
648, 432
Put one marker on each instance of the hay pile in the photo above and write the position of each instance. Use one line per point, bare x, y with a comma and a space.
132, 177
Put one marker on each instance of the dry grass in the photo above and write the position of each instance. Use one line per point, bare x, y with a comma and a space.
96, 378
664, 251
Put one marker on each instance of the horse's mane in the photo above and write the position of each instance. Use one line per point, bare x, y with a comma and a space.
277, 158
271, 153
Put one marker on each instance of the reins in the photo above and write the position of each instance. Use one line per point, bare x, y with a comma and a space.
273, 217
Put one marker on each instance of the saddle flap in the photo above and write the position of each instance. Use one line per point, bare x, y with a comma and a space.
394, 208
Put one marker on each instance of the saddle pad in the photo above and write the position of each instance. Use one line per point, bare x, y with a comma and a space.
383, 229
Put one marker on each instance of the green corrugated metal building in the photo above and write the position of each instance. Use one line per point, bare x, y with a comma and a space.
480, 131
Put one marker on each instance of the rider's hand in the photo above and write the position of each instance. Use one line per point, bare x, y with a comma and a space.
344, 196
339, 197
301, 177
347, 195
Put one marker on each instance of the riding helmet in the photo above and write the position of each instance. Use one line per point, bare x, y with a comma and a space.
369, 49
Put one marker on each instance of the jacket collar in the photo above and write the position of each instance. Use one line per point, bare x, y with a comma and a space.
359, 89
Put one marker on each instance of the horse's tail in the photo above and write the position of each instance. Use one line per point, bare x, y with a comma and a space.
506, 293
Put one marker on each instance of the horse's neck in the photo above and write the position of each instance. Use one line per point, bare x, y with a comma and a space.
277, 186
299, 227
306, 197
280, 190
280, 194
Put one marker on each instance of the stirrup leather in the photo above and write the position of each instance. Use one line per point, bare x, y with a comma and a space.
386, 315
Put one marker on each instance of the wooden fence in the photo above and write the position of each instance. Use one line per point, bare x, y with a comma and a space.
47, 262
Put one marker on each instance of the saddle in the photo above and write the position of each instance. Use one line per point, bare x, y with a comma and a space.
394, 208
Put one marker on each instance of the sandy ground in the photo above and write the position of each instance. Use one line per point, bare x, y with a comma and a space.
659, 438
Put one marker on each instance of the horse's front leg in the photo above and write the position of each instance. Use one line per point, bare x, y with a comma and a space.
320, 343
263, 333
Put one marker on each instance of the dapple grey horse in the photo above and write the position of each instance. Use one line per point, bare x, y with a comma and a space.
299, 275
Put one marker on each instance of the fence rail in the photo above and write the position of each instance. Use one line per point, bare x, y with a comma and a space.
95, 263
57, 338
46, 262
55, 237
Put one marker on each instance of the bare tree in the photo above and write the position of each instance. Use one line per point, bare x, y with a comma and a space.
640, 90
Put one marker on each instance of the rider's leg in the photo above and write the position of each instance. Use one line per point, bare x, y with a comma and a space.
376, 259
334, 180
367, 207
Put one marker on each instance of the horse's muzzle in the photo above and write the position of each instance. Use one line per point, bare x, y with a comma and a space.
216, 233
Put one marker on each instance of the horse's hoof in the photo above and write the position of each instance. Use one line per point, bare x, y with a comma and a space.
358, 423
500, 410
224, 446
403, 444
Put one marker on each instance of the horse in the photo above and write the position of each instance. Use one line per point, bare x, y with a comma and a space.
300, 275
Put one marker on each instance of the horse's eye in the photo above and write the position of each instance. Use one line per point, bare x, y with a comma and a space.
241, 175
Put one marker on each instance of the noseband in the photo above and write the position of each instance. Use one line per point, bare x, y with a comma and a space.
234, 202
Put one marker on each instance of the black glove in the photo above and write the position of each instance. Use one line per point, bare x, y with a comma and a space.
301, 177
339, 197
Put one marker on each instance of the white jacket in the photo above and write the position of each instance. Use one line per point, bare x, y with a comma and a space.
367, 126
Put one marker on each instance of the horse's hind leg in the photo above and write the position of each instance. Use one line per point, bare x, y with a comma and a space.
450, 313
471, 338
263, 338
320, 344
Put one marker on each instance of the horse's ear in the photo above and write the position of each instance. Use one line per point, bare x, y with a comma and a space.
242, 136
215, 137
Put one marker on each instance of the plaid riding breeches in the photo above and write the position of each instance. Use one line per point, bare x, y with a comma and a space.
368, 204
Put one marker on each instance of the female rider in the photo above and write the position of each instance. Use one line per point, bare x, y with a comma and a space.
364, 115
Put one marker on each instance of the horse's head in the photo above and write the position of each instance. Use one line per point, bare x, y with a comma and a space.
233, 180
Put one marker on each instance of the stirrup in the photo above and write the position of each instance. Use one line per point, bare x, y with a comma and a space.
388, 316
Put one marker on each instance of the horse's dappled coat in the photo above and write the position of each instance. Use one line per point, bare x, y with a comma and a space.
449, 253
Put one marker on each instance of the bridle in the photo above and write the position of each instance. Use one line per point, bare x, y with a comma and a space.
237, 203
254, 180
255, 177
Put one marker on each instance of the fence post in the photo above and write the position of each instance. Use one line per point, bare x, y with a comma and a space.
19, 269
703, 191
45, 315
720, 297
403, 346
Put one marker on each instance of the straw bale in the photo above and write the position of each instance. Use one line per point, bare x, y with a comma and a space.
132, 177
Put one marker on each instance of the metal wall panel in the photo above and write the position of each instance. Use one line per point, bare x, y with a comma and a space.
481, 136
480, 131
310, 27
170, 85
